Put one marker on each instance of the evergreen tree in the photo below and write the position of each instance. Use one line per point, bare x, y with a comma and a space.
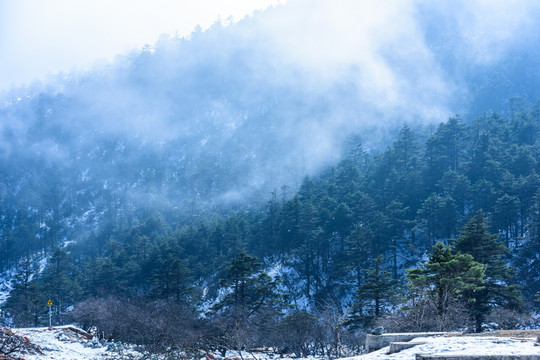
250, 303
61, 281
248, 288
364, 242
486, 249
341, 224
444, 150
396, 226
437, 218
528, 261
171, 279
506, 215
446, 279
310, 233
26, 303
374, 295
456, 185
400, 172
525, 188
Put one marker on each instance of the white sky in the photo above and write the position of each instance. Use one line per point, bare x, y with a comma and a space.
41, 37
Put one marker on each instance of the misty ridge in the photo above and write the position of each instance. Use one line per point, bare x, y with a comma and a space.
224, 117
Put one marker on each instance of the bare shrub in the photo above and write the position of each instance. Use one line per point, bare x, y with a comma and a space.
159, 326
333, 317
508, 319
423, 316
297, 333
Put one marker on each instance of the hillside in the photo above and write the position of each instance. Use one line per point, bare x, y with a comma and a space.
217, 121
284, 173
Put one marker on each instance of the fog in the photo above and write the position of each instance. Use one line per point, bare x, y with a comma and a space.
230, 113
42, 37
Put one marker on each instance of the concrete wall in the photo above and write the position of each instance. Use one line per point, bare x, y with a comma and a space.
376, 342
398, 346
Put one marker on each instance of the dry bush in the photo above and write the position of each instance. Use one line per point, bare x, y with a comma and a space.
508, 319
422, 316
159, 326
297, 333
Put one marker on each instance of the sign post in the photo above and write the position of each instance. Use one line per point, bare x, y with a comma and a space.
49, 304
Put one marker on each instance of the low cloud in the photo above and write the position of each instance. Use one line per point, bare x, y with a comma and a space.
276, 96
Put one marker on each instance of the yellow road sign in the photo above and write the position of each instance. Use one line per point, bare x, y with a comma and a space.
49, 302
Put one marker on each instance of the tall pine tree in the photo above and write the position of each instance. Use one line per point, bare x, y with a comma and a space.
446, 280
487, 249
374, 296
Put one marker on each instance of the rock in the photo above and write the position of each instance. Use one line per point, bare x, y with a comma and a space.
51, 347
139, 349
62, 336
117, 347
94, 344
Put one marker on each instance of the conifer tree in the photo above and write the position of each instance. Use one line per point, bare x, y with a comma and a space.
171, 279
26, 302
444, 150
250, 289
250, 302
529, 263
487, 249
446, 279
61, 280
377, 292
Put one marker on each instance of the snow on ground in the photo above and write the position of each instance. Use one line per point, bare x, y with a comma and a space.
65, 343
5, 284
458, 345
62, 343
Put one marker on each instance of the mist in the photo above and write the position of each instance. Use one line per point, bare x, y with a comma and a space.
225, 116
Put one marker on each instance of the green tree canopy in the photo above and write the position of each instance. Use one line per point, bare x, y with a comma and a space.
445, 279
487, 249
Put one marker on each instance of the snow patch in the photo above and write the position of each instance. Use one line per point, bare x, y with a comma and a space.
5, 284
458, 345
69, 342
66, 343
